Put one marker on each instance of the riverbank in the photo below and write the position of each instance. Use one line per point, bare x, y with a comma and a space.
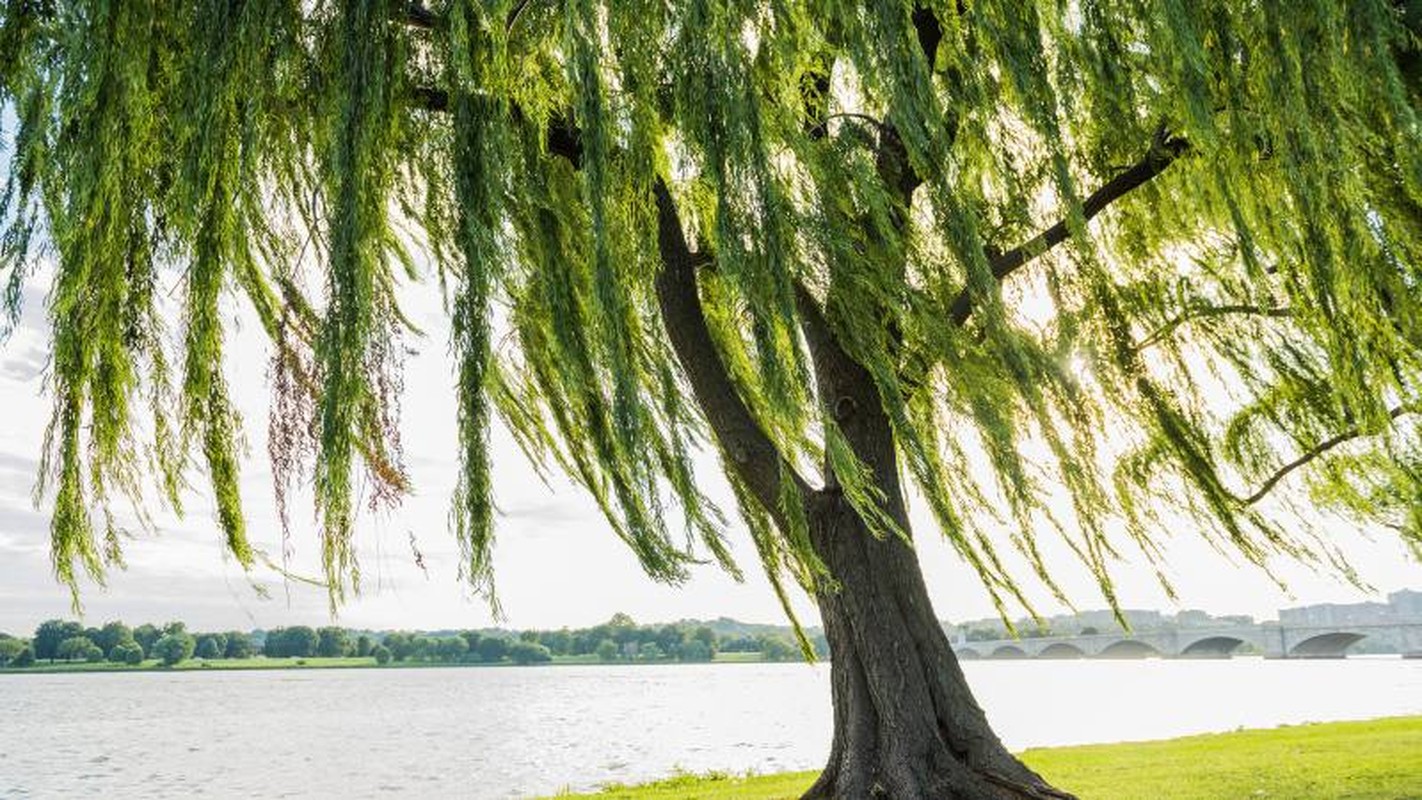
1373, 760
342, 662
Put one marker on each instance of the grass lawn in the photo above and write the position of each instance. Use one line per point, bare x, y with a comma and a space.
1374, 760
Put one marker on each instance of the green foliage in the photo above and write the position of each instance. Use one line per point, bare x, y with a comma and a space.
10, 650
26, 658
112, 634
382, 654
208, 648
525, 653
146, 634
400, 645
239, 645
298, 641
51, 633
127, 653
695, 650
607, 650
1235, 313
493, 649
332, 642
75, 647
172, 648
773, 648
452, 648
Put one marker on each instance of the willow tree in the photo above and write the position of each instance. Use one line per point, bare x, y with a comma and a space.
1078, 270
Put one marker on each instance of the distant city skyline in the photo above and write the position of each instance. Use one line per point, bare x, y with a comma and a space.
556, 561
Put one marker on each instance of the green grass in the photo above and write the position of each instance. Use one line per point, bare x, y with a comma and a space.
740, 658
1374, 760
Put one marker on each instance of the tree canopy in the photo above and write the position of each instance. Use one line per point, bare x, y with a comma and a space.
1154, 256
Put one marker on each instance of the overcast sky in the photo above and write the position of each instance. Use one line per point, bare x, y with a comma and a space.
557, 562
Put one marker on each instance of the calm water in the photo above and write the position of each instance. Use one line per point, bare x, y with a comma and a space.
510, 732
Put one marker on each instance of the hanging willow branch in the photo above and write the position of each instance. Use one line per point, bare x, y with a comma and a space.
843, 171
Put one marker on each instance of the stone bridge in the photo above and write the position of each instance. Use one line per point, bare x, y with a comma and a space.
1274, 641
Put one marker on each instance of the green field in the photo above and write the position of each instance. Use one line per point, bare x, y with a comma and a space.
1375, 760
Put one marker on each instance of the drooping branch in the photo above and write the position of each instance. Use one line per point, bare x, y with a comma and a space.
1164, 151
753, 455
751, 452
1205, 312
1319, 450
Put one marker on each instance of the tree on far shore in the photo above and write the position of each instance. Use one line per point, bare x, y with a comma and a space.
173, 648
607, 650
128, 652
50, 634
74, 648
9, 650
239, 645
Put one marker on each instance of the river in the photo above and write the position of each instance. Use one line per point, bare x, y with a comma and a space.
515, 732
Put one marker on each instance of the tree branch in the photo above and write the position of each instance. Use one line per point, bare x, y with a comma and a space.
1317, 451
1204, 312
754, 457
418, 16
429, 98
1164, 151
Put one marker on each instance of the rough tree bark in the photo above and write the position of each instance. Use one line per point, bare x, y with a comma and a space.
906, 725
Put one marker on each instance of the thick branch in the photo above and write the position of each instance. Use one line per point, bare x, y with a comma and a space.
429, 98
755, 458
418, 16
1317, 451
1163, 153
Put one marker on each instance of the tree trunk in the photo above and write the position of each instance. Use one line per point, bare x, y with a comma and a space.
906, 725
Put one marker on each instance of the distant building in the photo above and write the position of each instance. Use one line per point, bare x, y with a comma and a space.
1406, 604
1401, 606
1194, 618
1335, 614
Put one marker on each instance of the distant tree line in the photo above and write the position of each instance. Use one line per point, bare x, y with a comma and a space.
69, 641
620, 639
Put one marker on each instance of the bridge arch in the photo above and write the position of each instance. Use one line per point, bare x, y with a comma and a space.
1128, 648
1009, 651
967, 654
1061, 650
1326, 645
1212, 647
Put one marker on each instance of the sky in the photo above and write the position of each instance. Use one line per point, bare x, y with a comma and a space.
556, 561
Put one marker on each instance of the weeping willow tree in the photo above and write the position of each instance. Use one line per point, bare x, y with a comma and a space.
1074, 270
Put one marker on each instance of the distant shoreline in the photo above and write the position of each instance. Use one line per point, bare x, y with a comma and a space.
349, 662
261, 663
